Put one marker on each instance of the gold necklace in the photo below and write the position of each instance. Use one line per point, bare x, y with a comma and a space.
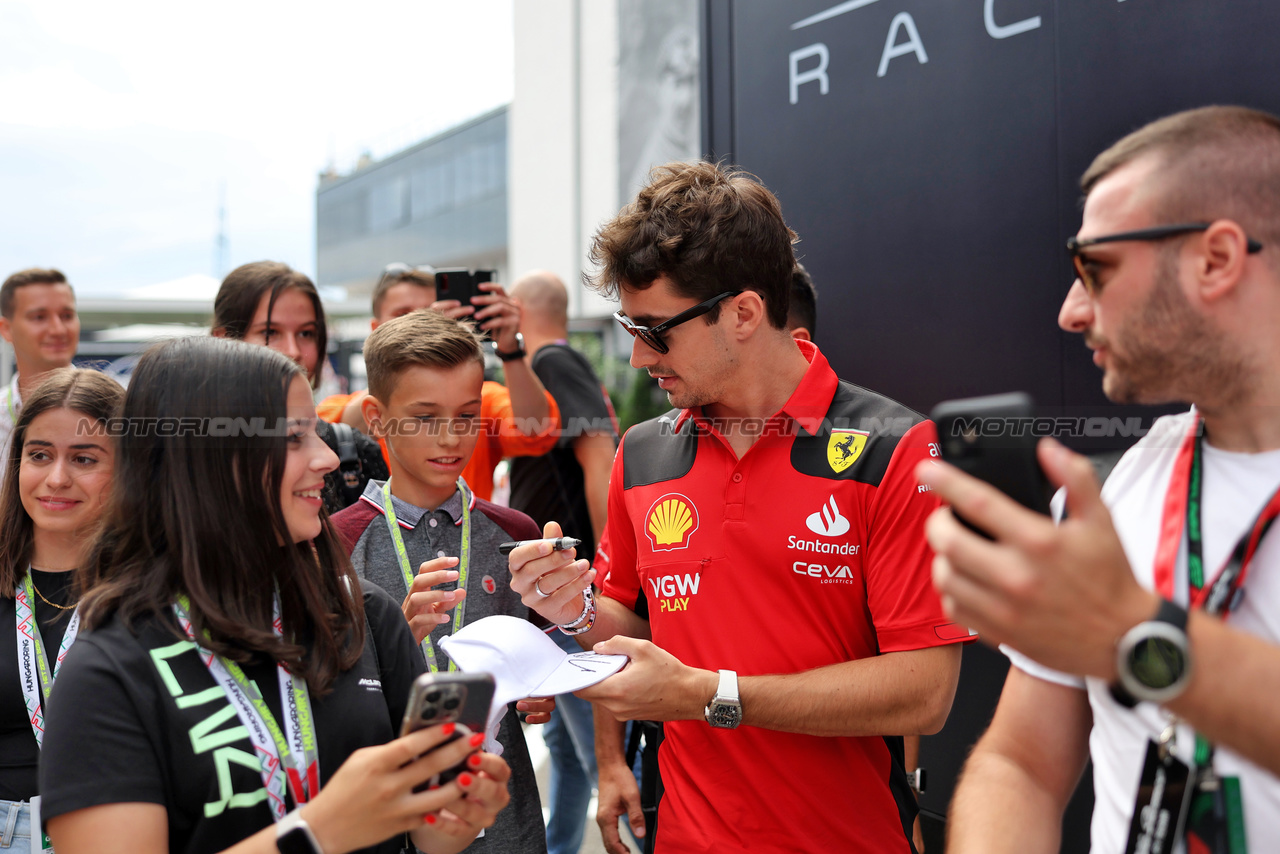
46, 601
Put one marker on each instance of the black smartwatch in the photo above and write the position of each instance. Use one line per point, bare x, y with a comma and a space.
1153, 659
294, 836
517, 353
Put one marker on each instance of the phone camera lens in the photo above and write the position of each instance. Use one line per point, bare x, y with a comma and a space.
451, 704
428, 712
433, 697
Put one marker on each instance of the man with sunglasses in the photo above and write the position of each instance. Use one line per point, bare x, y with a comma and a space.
1163, 590
763, 563
519, 419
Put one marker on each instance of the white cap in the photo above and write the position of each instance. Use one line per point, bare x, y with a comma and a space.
524, 661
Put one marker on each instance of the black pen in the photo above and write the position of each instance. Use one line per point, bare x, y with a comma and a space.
559, 544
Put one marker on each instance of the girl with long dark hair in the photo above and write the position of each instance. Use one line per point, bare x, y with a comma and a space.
239, 688
270, 303
57, 476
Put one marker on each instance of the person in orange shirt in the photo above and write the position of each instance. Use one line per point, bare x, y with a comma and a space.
521, 419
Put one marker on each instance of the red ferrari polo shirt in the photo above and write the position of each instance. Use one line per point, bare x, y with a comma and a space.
807, 551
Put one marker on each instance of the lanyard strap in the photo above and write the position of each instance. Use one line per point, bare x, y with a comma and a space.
289, 758
1182, 512
31, 656
13, 415
406, 568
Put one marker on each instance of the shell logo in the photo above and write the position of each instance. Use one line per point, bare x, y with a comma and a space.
671, 522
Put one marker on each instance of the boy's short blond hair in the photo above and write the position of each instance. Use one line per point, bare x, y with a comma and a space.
423, 337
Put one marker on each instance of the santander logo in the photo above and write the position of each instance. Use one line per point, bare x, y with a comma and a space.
828, 522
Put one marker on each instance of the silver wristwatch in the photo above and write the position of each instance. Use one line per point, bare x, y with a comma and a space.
725, 709
1153, 659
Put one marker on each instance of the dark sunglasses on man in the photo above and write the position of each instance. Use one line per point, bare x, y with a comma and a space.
1075, 246
652, 335
397, 269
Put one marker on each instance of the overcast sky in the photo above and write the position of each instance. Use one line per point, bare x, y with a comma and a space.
120, 121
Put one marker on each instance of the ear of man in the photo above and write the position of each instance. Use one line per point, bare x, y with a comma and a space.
1220, 261
749, 314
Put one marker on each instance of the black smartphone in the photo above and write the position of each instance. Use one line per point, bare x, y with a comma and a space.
992, 439
437, 698
460, 283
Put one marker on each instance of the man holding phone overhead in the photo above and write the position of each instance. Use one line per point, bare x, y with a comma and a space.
766, 536
1162, 591
520, 418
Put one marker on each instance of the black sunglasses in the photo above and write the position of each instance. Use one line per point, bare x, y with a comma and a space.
1080, 261
652, 335
396, 269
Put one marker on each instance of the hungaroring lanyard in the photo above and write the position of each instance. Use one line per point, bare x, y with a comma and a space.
1182, 512
464, 559
31, 655
291, 755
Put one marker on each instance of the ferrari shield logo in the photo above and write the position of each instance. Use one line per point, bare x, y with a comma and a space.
844, 447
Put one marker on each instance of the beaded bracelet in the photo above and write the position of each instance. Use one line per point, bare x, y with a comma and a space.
587, 618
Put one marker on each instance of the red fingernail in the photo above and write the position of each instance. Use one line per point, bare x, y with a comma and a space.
450, 727
474, 760
464, 780
477, 739
433, 787
429, 819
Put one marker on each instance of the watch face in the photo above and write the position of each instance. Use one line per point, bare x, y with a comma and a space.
725, 715
296, 841
1157, 663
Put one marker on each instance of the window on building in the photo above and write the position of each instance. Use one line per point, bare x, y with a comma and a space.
388, 204
429, 191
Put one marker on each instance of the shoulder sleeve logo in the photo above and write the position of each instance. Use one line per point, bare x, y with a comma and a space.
671, 522
844, 447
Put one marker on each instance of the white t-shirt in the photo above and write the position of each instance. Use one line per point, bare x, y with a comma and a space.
1235, 488
10, 406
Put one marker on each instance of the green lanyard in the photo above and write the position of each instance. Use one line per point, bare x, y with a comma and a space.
301, 765
13, 415
464, 559
1222, 596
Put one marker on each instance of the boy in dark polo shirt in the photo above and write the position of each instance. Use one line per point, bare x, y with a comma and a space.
423, 536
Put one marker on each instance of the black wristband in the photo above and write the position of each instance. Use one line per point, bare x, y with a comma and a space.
518, 353
509, 357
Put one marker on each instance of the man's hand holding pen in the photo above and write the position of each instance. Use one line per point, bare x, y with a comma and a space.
547, 575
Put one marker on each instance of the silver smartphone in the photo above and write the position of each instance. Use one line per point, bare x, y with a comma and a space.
461, 698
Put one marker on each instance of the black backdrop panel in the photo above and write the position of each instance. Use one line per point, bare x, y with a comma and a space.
1125, 64
932, 202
